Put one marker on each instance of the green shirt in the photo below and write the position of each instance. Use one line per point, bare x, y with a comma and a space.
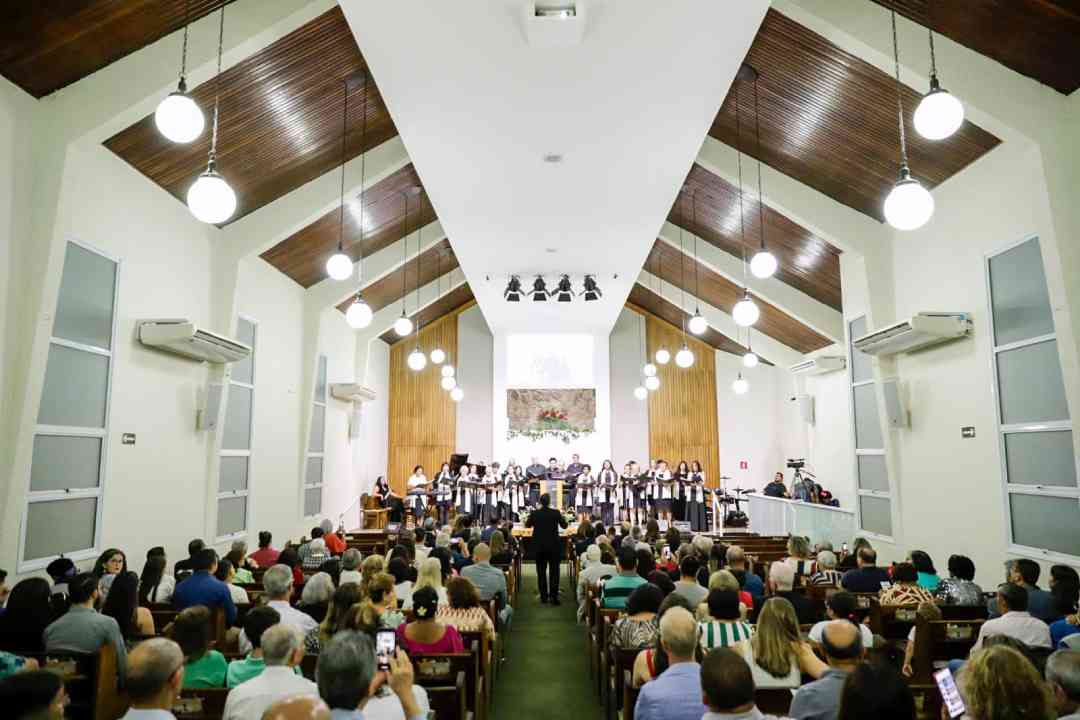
240, 671
617, 590
206, 672
243, 577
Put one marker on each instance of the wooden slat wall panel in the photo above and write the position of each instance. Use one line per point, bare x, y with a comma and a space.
422, 417
807, 262
280, 121
828, 119
458, 299
47, 44
1036, 38
683, 422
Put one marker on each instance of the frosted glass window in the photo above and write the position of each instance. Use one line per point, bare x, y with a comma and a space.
76, 387
64, 462
1018, 295
1040, 458
234, 473
872, 473
867, 427
876, 517
244, 371
231, 515
316, 440
237, 434
1031, 386
320, 380
313, 501
861, 366
84, 309
1046, 522
313, 476
59, 526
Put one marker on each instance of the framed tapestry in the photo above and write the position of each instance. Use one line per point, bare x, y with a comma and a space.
567, 414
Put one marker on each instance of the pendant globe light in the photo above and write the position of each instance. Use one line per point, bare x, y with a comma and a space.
697, 324
640, 392
447, 370
340, 266
909, 205
685, 357
437, 355
763, 264
649, 370
457, 394
417, 359
749, 358
178, 116
740, 386
448, 383
939, 114
652, 383
745, 312
210, 198
359, 314
403, 325
662, 355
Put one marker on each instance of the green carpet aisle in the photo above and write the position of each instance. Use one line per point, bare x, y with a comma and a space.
547, 675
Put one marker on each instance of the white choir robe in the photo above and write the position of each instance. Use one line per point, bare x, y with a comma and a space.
584, 494
665, 490
464, 496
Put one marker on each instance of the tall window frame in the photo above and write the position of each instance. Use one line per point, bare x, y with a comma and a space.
54, 431
315, 459
235, 463
1042, 336
874, 491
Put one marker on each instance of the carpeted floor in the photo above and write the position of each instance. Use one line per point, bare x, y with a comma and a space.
547, 674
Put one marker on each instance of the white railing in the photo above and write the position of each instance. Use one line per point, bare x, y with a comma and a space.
780, 516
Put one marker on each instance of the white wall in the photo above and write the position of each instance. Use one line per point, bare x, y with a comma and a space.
341, 480
474, 377
370, 449
629, 416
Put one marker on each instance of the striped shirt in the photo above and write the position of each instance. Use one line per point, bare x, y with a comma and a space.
723, 633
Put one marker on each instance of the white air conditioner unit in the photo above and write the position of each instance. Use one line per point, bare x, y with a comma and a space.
352, 392
922, 330
818, 365
183, 337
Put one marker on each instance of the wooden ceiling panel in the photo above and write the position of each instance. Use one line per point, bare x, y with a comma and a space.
280, 119
452, 301
433, 263
1036, 38
807, 262
645, 299
716, 290
303, 255
48, 44
828, 119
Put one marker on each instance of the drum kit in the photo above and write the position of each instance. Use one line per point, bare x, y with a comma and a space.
733, 496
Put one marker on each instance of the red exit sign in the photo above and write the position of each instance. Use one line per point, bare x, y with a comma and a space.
743, 465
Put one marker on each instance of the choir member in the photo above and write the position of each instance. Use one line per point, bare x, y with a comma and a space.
534, 474
444, 493
682, 479
490, 493
607, 482
624, 494
695, 501
652, 490
641, 483
463, 497
664, 483
585, 493
386, 498
516, 483
418, 485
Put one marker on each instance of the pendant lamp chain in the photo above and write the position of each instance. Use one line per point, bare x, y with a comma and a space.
217, 89
738, 156
183, 47
899, 97
757, 145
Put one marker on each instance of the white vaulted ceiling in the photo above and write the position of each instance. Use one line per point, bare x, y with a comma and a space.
478, 108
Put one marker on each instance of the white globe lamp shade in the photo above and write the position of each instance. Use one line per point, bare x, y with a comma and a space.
339, 266
640, 392
358, 315
649, 370
457, 394
684, 358
652, 383
447, 371
663, 357
437, 356
750, 359
909, 205
179, 118
697, 324
745, 312
417, 360
448, 383
939, 113
210, 198
763, 264
403, 326
740, 386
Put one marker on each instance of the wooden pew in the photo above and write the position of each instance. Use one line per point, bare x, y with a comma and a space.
447, 699
201, 704
165, 614
773, 701
479, 639
894, 621
622, 664
941, 640
443, 668
91, 680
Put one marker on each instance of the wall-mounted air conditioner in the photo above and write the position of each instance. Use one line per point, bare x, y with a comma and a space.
818, 365
352, 392
922, 330
183, 337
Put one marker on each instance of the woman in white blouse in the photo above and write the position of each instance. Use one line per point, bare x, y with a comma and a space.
776, 654
430, 575
418, 484
665, 488
154, 585
226, 573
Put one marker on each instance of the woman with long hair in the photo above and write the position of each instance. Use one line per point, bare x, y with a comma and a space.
799, 558
924, 565
999, 683
203, 667
680, 479
695, 498
369, 568
652, 531
27, 613
429, 576
776, 654
154, 585
381, 596
876, 690
290, 558
607, 481
108, 565
500, 553
341, 604
444, 493
122, 605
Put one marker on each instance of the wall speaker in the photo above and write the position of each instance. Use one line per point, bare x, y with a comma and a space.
894, 404
208, 407
806, 408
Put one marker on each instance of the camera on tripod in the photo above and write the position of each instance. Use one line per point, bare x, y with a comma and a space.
796, 463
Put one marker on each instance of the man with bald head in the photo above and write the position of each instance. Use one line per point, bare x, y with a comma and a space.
675, 694
155, 674
298, 707
820, 700
489, 580
283, 650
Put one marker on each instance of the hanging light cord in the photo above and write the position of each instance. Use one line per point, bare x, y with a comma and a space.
404, 252
217, 88
419, 237
693, 216
757, 144
183, 46
933, 59
341, 209
738, 156
899, 97
682, 280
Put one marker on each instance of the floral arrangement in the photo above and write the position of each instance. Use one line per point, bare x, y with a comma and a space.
551, 422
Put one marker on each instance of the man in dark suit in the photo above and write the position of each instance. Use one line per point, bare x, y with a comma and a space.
547, 547
534, 474
574, 469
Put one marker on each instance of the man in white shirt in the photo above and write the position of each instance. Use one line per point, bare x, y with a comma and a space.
1015, 621
155, 674
595, 568
283, 649
278, 584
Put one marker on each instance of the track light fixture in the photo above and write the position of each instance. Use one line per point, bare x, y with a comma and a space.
564, 291
513, 293
539, 291
592, 292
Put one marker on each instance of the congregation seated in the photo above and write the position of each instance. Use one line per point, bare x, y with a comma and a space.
905, 588
675, 693
349, 682
724, 625
927, 574
122, 605
28, 612
501, 553
345, 597
430, 576
155, 677
404, 576
867, 577
203, 666
109, 564
350, 567
463, 611
489, 580
662, 580
242, 564
781, 581
726, 580
618, 588
599, 562
33, 695
776, 654
1025, 573
266, 555
1015, 620
290, 558
155, 585
256, 623
959, 588
313, 553
999, 682
82, 629
226, 573
841, 605
736, 563
278, 587
876, 690
380, 593
799, 558
641, 625
687, 584
335, 544
727, 687
282, 650
202, 588
186, 566
826, 572
850, 560
427, 634
646, 562
841, 642
315, 598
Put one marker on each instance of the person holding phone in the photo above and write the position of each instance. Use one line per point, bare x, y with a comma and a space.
352, 684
